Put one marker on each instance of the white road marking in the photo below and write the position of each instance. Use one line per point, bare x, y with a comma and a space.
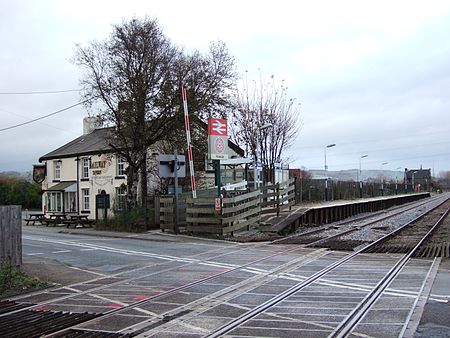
35, 254
61, 251
88, 271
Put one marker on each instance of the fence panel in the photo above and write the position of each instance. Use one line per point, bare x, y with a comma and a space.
279, 196
238, 212
166, 213
11, 234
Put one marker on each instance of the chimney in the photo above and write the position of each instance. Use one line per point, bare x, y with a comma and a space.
90, 123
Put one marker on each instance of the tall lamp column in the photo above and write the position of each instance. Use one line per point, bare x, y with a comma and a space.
382, 178
360, 176
326, 168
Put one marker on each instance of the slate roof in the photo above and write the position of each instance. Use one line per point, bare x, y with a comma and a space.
93, 143
97, 143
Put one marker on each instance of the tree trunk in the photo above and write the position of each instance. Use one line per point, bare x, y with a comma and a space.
132, 184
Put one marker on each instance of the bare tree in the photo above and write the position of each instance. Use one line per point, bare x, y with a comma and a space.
136, 76
265, 120
126, 73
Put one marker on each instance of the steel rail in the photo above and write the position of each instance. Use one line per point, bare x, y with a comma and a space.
355, 316
280, 297
139, 303
99, 288
168, 292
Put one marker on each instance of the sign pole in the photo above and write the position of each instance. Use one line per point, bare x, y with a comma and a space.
218, 180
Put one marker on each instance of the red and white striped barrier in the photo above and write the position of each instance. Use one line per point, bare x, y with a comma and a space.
188, 139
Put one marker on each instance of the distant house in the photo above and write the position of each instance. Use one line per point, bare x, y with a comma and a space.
77, 172
418, 179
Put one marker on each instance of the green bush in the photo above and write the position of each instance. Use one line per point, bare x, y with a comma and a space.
130, 221
12, 278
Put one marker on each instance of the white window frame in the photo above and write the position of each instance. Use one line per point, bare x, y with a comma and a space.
54, 201
120, 165
85, 167
57, 169
85, 199
121, 193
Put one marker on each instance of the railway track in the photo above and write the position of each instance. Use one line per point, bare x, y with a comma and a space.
354, 317
404, 239
40, 311
320, 234
212, 287
356, 234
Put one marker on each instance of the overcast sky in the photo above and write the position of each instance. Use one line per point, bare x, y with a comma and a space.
372, 77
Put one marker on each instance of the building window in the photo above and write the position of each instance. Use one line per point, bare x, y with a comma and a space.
54, 201
85, 199
71, 201
121, 193
57, 170
120, 166
85, 172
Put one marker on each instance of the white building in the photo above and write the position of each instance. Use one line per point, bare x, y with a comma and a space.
81, 170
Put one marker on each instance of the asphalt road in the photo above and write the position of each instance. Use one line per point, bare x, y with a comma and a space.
107, 255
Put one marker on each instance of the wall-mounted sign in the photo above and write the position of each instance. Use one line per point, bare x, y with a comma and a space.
217, 139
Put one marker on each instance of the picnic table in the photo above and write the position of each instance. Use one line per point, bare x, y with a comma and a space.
81, 220
54, 219
33, 218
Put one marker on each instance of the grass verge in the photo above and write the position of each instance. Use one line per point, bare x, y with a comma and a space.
14, 281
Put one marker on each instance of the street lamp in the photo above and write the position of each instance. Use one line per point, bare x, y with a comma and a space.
360, 176
326, 168
255, 170
382, 178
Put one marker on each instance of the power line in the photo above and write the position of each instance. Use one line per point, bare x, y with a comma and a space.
45, 116
40, 92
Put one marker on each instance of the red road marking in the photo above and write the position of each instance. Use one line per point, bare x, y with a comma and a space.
115, 305
40, 308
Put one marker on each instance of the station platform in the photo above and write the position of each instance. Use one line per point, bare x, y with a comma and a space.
313, 214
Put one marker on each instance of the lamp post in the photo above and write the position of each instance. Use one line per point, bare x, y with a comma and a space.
326, 168
360, 176
382, 178
255, 170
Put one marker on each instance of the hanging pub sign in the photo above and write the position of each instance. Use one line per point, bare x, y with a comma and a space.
39, 172
217, 139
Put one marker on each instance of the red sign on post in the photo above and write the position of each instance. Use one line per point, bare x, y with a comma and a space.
217, 139
218, 127
218, 205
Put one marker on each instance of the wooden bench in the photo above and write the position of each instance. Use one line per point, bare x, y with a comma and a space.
81, 220
33, 218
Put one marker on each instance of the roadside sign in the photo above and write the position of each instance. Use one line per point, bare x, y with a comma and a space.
217, 139
218, 205
167, 165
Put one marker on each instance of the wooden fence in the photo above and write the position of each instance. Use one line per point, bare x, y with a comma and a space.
277, 197
238, 211
167, 212
11, 234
